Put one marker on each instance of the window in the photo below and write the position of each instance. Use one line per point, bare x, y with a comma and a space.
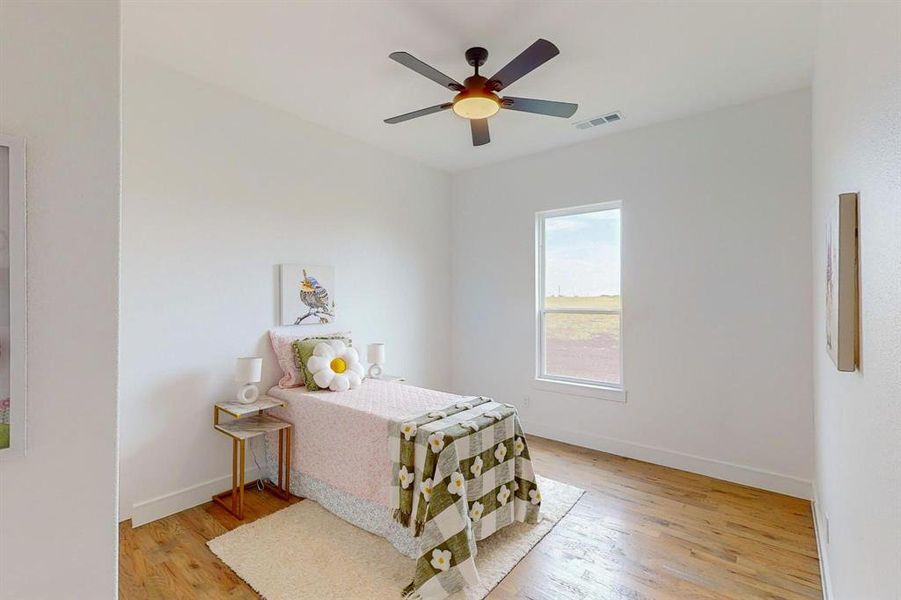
579, 304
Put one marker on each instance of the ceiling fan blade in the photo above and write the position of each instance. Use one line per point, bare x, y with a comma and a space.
540, 107
480, 135
419, 113
529, 59
411, 62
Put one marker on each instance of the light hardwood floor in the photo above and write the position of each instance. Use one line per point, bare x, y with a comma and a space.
640, 531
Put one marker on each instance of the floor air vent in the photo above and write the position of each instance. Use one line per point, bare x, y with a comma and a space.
608, 118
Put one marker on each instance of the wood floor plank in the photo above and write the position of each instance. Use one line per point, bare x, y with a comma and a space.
641, 532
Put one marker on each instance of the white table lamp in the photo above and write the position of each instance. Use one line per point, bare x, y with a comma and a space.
248, 371
376, 355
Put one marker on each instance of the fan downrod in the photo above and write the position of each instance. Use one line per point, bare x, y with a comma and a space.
476, 57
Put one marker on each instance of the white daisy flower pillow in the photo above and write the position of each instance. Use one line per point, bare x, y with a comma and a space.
335, 366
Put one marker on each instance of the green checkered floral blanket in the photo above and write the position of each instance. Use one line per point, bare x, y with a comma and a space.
459, 475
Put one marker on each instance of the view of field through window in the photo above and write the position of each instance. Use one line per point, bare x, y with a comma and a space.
582, 273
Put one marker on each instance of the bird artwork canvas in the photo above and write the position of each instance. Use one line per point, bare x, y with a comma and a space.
307, 294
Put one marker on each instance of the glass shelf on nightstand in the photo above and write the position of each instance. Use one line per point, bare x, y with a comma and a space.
250, 427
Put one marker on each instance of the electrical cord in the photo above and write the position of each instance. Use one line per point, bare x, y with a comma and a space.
260, 485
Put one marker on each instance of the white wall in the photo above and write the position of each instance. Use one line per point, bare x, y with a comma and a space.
716, 288
220, 189
857, 147
59, 89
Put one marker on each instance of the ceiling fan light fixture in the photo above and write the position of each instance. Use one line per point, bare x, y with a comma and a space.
477, 98
476, 106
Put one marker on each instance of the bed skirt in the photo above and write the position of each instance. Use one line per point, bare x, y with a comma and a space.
365, 514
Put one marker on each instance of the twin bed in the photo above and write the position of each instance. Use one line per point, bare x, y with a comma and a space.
395, 459
340, 452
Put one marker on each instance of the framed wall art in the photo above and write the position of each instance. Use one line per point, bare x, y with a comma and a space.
842, 316
307, 294
13, 377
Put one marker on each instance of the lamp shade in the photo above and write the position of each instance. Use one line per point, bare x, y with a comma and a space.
248, 369
376, 353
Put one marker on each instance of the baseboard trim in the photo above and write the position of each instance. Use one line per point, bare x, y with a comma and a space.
821, 546
150, 510
750, 476
177, 501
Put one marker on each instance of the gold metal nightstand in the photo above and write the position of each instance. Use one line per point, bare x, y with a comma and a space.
249, 422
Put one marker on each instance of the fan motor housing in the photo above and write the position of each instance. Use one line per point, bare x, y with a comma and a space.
476, 84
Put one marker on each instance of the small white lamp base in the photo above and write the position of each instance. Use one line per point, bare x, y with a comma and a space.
248, 394
375, 371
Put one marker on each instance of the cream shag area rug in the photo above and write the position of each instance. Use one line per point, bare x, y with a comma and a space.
304, 552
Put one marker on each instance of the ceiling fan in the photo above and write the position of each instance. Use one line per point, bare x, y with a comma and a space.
477, 98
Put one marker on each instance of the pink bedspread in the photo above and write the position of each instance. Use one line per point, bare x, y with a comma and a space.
341, 438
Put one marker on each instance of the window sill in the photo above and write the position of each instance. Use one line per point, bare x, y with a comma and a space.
580, 389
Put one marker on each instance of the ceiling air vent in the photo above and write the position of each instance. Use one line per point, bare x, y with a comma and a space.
608, 118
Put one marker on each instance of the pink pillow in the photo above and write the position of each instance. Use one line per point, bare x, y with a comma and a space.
281, 345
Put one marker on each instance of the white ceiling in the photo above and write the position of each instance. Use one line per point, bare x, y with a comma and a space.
327, 62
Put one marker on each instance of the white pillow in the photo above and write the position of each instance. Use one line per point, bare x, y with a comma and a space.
335, 366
